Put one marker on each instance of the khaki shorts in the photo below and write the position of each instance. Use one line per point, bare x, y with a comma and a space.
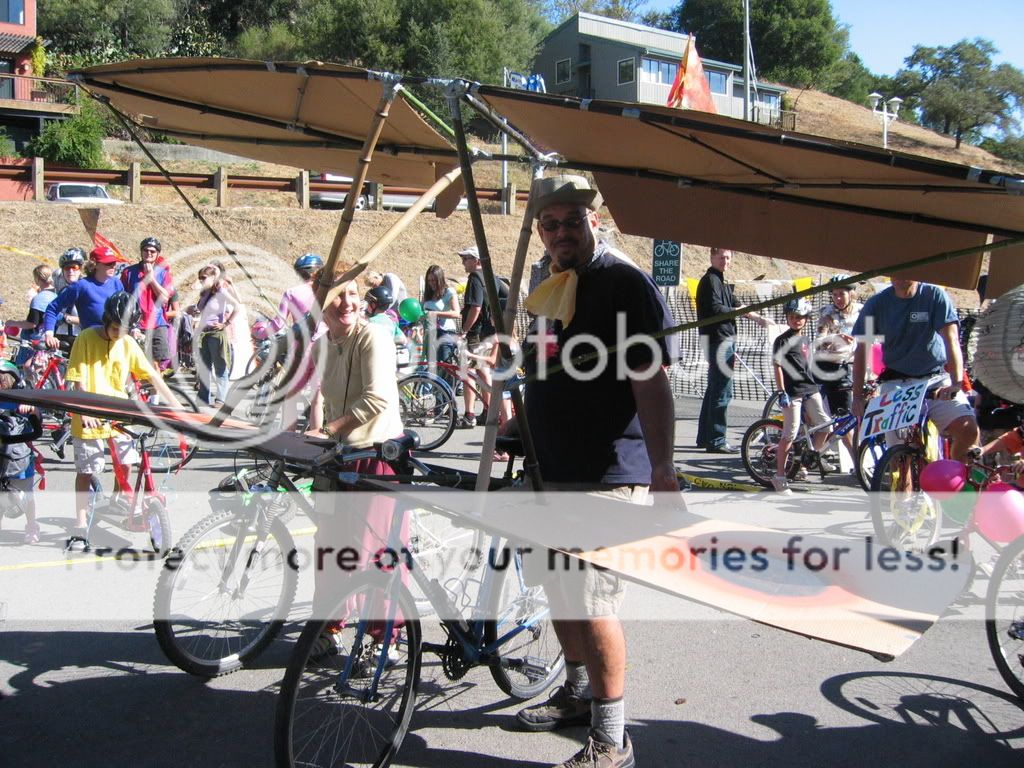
90, 455
577, 589
809, 407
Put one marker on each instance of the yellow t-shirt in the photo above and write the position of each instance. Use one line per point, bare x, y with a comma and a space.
104, 367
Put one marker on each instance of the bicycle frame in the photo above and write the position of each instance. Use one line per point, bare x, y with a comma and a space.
144, 486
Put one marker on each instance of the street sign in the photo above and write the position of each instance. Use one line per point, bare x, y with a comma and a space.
668, 256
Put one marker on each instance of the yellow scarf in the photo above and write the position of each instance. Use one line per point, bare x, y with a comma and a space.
555, 298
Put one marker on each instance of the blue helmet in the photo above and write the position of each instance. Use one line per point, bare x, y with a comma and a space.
72, 256
308, 262
798, 307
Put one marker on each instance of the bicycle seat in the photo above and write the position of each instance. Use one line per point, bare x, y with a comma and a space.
510, 444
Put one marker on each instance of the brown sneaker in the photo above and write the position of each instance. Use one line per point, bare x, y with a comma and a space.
560, 711
600, 754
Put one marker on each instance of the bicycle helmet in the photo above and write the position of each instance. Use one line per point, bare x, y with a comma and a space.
121, 309
308, 262
837, 278
72, 257
379, 297
798, 307
150, 242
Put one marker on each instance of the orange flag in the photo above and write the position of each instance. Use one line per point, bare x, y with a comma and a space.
99, 241
690, 90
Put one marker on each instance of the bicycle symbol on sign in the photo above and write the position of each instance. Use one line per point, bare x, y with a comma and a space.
666, 249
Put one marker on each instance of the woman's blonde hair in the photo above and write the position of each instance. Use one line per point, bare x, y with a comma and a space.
43, 274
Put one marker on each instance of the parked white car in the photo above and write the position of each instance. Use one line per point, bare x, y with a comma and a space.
80, 194
391, 201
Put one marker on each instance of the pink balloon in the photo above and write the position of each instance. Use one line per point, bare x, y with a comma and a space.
945, 476
876, 359
999, 513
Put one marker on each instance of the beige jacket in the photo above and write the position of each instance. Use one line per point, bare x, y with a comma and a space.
360, 379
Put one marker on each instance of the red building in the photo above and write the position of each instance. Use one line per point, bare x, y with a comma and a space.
27, 100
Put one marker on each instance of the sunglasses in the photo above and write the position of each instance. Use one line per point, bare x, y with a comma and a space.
552, 225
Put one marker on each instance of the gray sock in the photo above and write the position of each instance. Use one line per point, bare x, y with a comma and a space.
577, 682
608, 720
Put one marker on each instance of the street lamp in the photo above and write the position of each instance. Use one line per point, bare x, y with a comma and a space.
887, 114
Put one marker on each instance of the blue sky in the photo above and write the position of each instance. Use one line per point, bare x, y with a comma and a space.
884, 32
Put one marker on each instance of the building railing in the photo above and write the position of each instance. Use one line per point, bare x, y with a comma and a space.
782, 119
40, 91
33, 177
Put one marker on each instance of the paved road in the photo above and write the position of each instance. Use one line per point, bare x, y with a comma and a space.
703, 687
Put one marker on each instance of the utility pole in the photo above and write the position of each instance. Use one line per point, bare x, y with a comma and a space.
747, 59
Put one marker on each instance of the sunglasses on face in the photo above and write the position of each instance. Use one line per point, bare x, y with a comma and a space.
552, 225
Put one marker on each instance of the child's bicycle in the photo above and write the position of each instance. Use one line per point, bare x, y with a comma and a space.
136, 513
45, 370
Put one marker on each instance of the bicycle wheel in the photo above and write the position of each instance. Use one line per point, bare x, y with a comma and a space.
903, 516
521, 613
158, 524
1004, 616
169, 450
428, 408
869, 453
773, 408
759, 449
351, 708
218, 605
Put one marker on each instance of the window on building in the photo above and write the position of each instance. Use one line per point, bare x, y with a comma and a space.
563, 71
627, 71
770, 100
716, 81
655, 71
12, 11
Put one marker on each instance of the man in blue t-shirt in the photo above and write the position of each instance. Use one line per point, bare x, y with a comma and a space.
917, 326
88, 295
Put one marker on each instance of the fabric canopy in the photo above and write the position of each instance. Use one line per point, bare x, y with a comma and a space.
716, 181
307, 115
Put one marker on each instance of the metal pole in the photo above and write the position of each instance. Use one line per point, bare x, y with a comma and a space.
746, 59
885, 126
505, 202
365, 155
455, 92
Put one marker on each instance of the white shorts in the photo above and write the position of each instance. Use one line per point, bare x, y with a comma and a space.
941, 413
812, 410
90, 455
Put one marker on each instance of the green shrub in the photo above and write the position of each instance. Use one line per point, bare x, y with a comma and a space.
77, 141
7, 148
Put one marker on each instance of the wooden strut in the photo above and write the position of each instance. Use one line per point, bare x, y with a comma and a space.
365, 156
500, 322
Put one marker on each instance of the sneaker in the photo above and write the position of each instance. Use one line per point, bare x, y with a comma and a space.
781, 485
466, 422
801, 474
561, 710
78, 541
326, 644
366, 666
32, 533
829, 461
597, 753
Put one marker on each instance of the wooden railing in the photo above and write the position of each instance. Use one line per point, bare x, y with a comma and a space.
37, 175
38, 94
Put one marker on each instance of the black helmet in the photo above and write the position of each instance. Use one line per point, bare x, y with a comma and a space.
150, 242
380, 297
121, 309
72, 256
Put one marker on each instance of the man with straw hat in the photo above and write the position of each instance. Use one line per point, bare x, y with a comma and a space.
596, 428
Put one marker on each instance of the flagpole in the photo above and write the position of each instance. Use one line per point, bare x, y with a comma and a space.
746, 59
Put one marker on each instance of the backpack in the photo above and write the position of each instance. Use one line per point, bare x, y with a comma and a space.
15, 458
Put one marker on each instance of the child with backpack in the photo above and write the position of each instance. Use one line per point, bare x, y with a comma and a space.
17, 458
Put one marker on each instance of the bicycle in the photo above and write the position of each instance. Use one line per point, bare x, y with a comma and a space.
427, 404
759, 448
355, 707
139, 510
45, 370
227, 587
169, 450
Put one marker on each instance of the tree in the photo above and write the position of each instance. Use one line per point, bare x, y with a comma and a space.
957, 91
1010, 148
86, 32
77, 141
558, 11
794, 41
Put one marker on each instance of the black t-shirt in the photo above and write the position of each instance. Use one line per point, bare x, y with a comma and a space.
790, 352
588, 431
476, 296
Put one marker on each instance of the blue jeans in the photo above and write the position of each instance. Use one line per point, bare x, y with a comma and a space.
712, 423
